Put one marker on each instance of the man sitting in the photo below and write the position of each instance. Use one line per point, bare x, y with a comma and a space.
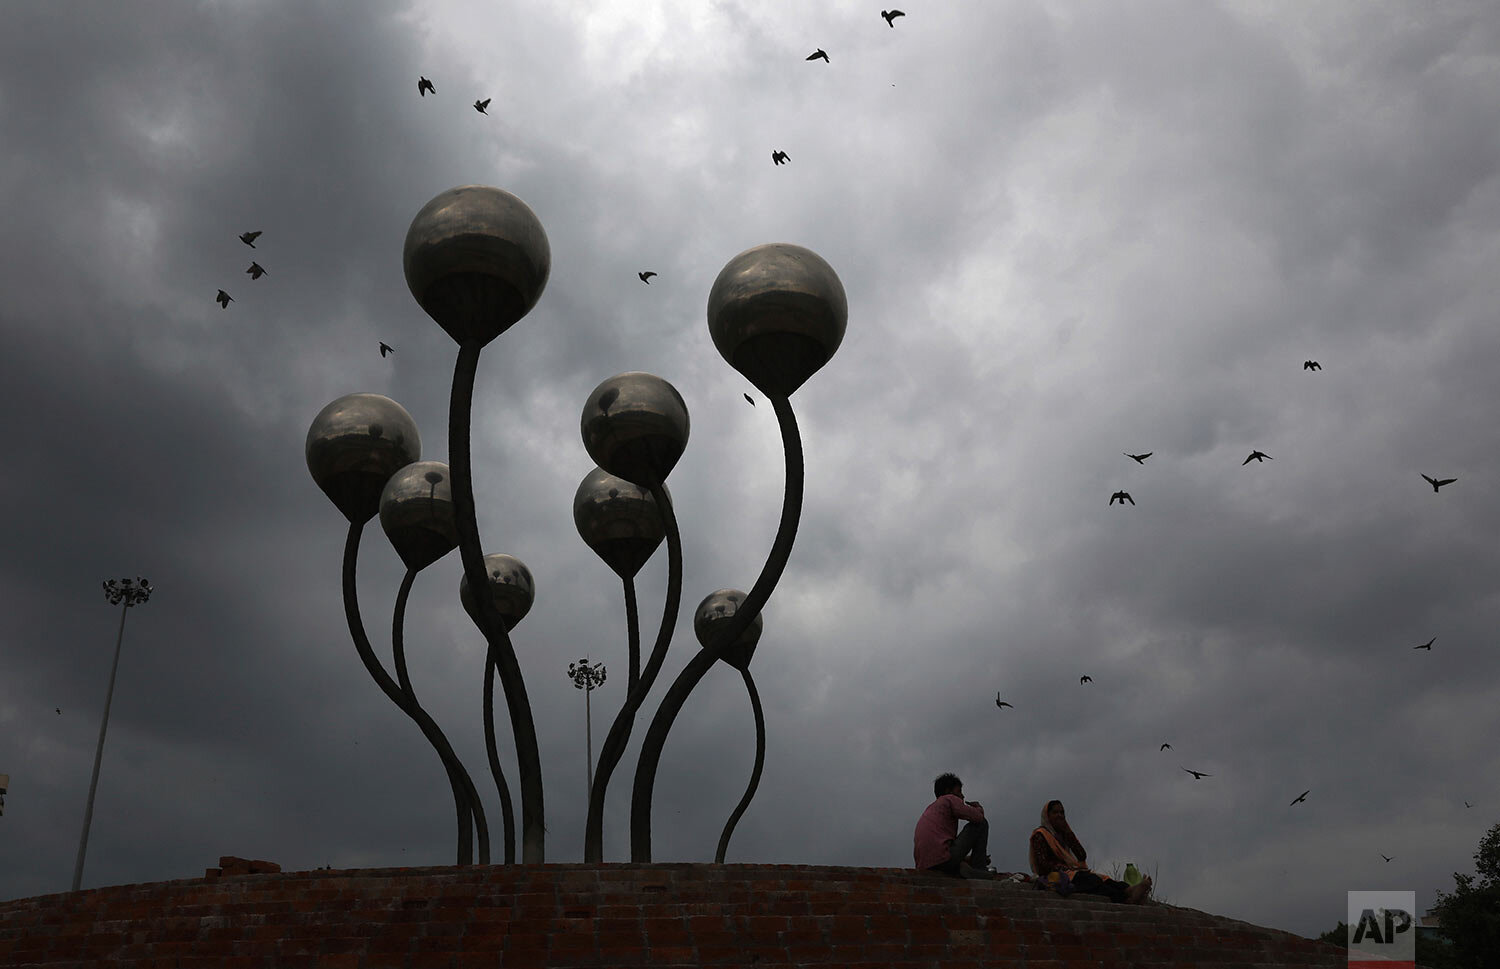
937, 843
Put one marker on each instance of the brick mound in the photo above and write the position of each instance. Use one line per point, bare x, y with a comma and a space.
621, 915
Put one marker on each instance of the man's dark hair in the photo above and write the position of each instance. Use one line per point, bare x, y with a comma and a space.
946, 784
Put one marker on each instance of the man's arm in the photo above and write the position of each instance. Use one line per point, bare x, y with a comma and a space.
968, 810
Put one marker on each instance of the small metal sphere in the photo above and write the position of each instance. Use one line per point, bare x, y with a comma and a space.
777, 313
635, 425
476, 259
618, 520
416, 511
354, 446
512, 589
714, 612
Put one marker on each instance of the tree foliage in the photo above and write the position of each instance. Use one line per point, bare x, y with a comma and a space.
1470, 914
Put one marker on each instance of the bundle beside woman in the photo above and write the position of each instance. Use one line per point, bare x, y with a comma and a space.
1057, 859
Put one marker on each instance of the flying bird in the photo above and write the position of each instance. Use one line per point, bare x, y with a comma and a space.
1436, 484
646, 277
248, 238
890, 16
819, 53
1301, 797
1427, 645
1001, 703
386, 348
1387, 859
1121, 497
1311, 365
1165, 747
1138, 458
256, 270
1256, 456
1085, 679
1198, 775
1466, 803
780, 158
423, 86
224, 299
59, 713
481, 105
750, 399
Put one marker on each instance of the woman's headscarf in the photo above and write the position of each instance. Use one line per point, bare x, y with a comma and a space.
1062, 839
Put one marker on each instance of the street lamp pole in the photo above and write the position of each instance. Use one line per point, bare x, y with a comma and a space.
128, 592
587, 678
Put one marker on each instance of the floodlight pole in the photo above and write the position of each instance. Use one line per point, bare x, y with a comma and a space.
128, 594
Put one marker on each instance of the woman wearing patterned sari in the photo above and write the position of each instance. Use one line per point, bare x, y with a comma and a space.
1057, 859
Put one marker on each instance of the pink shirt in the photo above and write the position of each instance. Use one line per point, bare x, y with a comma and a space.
938, 826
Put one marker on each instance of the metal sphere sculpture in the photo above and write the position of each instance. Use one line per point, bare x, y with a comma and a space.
477, 260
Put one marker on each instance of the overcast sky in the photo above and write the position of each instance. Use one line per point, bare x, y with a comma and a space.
1066, 231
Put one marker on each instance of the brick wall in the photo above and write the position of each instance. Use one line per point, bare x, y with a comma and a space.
622, 915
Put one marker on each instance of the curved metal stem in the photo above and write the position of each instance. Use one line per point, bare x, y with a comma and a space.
760, 761
619, 731
755, 600
507, 812
501, 654
633, 630
367, 655
465, 797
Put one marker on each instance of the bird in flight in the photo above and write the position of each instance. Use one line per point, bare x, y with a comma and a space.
481, 105
750, 399
1085, 679
1121, 497
1383, 855
780, 158
423, 86
59, 713
224, 299
256, 270
890, 16
386, 348
1311, 365
1301, 797
646, 277
1165, 747
1138, 458
1466, 803
1001, 703
1198, 775
1427, 645
819, 53
1436, 484
1256, 456
248, 238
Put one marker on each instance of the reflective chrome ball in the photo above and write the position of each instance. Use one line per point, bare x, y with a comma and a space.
416, 511
618, 520
714, 612
354, 446
635, 425
777, 313
476, 259
511, 589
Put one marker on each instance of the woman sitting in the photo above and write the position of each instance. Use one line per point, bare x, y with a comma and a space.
1058, 859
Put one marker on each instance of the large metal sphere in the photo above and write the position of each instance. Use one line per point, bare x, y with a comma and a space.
714, 612
416, 511
476, 258
354, 446
512, 589
618, 520
635, 425
777, 313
